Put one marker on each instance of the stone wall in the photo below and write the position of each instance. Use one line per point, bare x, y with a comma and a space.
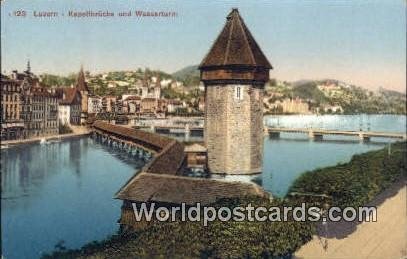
234, 129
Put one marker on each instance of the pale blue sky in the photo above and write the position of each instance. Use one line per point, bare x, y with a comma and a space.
361, 42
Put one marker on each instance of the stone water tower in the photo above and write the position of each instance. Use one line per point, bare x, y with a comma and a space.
234, 73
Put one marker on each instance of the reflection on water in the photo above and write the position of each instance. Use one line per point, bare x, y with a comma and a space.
61, 191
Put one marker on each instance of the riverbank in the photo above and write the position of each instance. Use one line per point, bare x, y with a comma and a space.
385, 238
77, 132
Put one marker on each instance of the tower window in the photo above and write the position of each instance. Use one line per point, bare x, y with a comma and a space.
238, 93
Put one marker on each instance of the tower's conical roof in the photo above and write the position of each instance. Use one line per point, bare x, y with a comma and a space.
235, 46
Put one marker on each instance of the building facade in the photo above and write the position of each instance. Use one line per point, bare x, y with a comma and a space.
39, 109
293, 106
234, 73
12, 126
108, 103
69, 109
94, 104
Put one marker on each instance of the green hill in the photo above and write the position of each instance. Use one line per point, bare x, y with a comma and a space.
188, 75
309, 91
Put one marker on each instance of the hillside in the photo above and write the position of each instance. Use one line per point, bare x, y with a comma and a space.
309, 91
188, 75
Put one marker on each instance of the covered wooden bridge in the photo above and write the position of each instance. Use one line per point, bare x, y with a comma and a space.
161, 180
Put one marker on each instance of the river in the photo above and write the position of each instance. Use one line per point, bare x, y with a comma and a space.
63, 192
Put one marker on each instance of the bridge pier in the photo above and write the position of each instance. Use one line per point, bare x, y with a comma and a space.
318, 137
315, 136
274, 135
363, 137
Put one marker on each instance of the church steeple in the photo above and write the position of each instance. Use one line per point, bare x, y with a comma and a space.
158, 81
81, 84
28, 71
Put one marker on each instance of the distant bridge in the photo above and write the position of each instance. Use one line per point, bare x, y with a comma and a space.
319, 133
175, 129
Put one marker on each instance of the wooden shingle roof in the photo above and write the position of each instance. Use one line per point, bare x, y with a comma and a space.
147, 187
147, 139
235, 46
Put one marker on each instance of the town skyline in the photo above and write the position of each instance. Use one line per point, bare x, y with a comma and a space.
363, 44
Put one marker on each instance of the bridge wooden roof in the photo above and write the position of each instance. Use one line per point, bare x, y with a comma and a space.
168, 161
147, 139
172, 189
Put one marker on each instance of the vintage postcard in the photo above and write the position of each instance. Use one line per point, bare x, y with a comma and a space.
203, 129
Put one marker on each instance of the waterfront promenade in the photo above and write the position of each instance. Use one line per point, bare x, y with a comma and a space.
77, 132
386, 238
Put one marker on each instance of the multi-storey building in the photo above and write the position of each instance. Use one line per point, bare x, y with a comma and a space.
69, 108
132, 104
39, 109
295, 105
108, 103
94, 104
12, 126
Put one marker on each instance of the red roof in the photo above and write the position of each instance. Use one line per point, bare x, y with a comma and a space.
235, 46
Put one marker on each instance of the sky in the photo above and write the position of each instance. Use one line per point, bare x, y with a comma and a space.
359, 42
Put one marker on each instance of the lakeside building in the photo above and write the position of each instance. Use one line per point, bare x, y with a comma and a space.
132, 104
108, 103
234, 73
34, 107
69, 109
12, 125
28, 108
149, 105
174, 105
39, 110
291, 106
94, 104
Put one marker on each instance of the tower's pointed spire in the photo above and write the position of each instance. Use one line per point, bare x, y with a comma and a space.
81, 84
158, 80
235, 46
28, 67
145, 79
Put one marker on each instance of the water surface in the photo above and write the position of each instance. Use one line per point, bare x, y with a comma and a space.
60, 192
